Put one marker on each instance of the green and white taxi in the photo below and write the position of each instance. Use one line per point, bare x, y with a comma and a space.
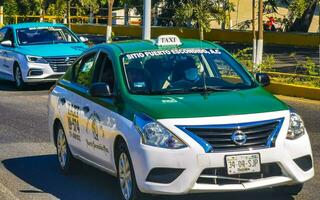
171, 116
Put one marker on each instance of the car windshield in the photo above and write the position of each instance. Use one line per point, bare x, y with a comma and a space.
184, 71
45, 35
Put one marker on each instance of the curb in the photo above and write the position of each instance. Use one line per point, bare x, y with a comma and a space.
294, 90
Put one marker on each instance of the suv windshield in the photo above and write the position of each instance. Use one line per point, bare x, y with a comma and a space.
45, 35
184, 71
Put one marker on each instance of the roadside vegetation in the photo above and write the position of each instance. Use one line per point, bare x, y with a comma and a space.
306, 73
197, 14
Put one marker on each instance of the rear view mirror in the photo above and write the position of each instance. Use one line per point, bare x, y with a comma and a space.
6, 43
100, 90
83, 39
263, 79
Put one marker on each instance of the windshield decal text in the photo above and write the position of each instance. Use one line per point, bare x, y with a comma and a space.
171, 52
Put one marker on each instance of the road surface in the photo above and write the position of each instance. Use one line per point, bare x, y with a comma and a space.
29, 170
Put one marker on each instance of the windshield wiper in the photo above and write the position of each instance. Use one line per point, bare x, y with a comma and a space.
207, 88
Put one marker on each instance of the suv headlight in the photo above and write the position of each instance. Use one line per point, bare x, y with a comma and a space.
154, 134
36, 59
296, 127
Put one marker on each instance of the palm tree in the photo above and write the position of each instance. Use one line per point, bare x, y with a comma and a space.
199, 14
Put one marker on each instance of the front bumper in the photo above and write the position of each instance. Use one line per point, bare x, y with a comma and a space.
194, 160
47, 74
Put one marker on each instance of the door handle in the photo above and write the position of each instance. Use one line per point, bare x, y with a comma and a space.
86, 109
62, 100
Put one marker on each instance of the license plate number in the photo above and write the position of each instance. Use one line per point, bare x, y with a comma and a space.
242, 164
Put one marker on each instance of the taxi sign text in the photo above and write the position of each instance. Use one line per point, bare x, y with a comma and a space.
166, 40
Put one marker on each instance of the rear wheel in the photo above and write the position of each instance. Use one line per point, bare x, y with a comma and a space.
66, 160
20, 84
126, 178
289, 190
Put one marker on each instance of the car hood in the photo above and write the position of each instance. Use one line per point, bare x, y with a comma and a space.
50, 50
250, 101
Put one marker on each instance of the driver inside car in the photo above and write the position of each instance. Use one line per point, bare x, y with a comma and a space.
186, 77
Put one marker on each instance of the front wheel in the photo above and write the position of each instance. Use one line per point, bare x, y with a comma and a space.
20, 84
126, 178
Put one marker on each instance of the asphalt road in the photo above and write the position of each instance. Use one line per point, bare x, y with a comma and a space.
29, 170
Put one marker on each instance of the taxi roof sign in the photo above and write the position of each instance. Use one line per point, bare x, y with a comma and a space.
168, 40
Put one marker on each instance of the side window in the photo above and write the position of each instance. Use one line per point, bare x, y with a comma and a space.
84, 70
105, 71
9, 36
226, 71
3, 32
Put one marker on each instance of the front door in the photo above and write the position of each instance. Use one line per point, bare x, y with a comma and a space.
101, 125
78, 106
8, 54
3, 32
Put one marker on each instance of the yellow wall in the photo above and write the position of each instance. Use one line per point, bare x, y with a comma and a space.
294, 39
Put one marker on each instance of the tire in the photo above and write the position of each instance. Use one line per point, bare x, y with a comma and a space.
126, 179
19, 83
66, 161
290, 190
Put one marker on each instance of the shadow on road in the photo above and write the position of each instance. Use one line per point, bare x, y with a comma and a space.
42, 172
9, 86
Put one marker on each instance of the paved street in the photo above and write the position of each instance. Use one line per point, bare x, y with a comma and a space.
29, 170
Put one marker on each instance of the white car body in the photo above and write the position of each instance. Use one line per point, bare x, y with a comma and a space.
56, 57
192, 159
93, 124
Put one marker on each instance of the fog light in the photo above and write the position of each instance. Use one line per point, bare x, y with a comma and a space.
35, 72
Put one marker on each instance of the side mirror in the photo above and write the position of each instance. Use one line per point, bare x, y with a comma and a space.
100, 90
6, 43
263, 79
83, 39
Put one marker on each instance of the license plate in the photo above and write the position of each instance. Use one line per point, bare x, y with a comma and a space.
242, 164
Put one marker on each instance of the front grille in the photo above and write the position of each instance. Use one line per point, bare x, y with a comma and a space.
220, 137
220, 176
60, 64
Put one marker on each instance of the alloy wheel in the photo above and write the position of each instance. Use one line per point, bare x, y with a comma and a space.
62, 148
125, 176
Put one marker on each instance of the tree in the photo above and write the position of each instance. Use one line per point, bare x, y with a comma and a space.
109, 26
300, 13
303, 22
199, 14
10, 7
168, 10
227, 8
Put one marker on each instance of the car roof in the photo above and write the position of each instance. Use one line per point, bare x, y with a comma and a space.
149, 45
34, 25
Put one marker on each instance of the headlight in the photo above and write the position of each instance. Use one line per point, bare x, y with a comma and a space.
36, 59
154, 134
296, 127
